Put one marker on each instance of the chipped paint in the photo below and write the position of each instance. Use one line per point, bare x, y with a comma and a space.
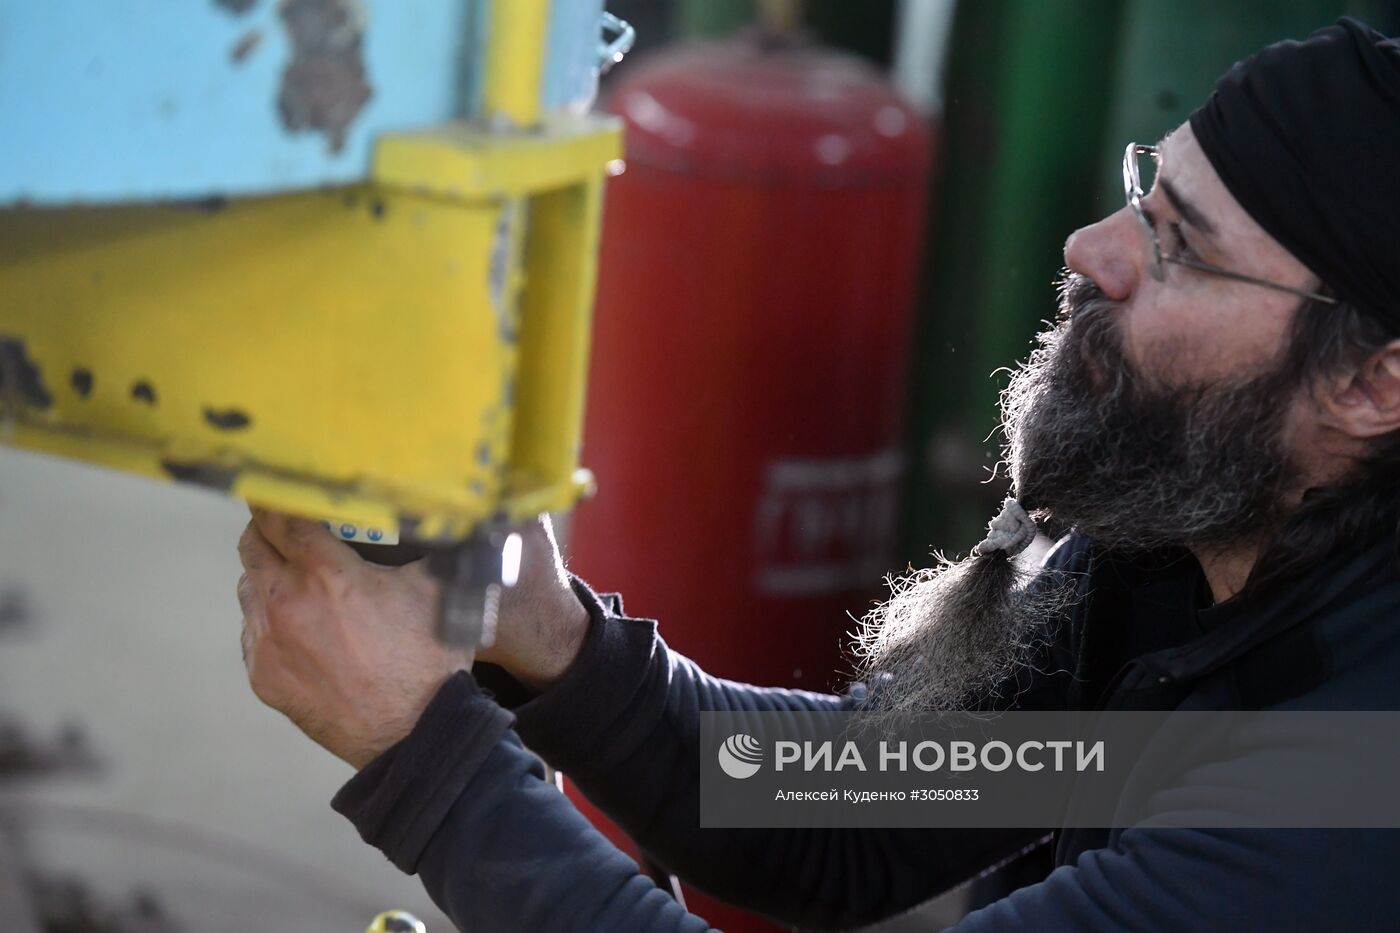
230, 419
207, 205
143, 391
324, 86
245, 46
20, 379
236, 7
81, 380
498, 275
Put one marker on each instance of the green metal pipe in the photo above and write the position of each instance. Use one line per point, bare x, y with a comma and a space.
1027, 101
712, 19
1174, 50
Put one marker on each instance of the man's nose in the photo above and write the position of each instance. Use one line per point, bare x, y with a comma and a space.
1108, 252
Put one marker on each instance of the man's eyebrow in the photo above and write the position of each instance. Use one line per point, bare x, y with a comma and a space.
1188, 211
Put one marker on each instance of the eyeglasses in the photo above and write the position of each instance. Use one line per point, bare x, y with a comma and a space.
1132, 189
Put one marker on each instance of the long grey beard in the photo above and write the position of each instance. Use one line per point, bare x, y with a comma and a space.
1136, 464
1094, 445
950, 637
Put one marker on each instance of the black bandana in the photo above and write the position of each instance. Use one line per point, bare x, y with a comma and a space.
1306, 136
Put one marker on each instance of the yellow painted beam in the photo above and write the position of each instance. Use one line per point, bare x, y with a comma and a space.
327, 349
463, 161
410, 352
518, 37
556, 313
407, 352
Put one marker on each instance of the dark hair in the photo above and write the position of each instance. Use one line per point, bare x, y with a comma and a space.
1329, 340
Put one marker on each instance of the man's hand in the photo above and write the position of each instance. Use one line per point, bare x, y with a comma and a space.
345, 648
542, 624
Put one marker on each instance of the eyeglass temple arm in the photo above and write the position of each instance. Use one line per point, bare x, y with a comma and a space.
1241, 277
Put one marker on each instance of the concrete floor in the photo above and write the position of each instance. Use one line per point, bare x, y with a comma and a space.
135, 637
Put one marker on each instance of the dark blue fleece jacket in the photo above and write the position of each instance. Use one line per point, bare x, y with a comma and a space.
463, 804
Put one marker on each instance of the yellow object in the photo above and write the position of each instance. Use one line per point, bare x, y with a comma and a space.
396, 921
515, 59
404, 352
409, 352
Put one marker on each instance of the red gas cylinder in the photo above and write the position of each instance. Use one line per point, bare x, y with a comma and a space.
751, 346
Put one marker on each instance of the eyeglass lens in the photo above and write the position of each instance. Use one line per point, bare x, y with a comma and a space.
1147, 171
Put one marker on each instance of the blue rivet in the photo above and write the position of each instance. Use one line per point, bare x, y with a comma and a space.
374, 534
347, 531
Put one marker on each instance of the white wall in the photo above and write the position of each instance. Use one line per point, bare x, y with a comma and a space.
136, 638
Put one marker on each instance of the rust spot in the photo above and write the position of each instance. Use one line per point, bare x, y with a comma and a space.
245, 46
82, 381
207, 205
228, 420
143, 391
323, 86
236, 7
19, 376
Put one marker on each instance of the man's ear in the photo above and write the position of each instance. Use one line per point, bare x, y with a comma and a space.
1366, 403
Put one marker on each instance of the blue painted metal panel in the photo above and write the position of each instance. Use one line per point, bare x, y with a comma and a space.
121, 100
571, 72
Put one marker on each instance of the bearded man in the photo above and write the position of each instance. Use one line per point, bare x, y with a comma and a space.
1216, 415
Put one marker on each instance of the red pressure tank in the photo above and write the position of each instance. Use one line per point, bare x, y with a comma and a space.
751, 345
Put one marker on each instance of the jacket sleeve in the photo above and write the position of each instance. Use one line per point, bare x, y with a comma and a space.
460, 802
623, 724
1172, 879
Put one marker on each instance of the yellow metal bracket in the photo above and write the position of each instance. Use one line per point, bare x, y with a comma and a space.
410, 351
407, 352
467, 161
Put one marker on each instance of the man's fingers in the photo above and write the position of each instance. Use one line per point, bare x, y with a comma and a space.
257, 555
254, 606
302, 542
249, 599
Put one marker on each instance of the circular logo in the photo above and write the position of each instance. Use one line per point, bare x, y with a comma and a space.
740, 756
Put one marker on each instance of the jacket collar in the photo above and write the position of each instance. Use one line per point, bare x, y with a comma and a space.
1239, 625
